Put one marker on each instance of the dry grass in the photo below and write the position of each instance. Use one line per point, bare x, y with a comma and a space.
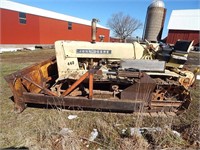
39, 128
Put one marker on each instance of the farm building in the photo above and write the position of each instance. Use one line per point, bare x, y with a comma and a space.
184, 25
22, 24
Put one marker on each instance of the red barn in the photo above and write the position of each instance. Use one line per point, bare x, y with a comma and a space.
184, 25
22, 24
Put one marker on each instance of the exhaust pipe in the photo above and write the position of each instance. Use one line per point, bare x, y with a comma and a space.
94, 29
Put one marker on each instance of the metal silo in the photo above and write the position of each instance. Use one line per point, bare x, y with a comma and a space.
154, 21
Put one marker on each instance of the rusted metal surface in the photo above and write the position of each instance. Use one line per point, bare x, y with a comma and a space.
130, 74
113, 105
75, 84
42, 88
166, 103
142, 90
41, 76
91, 75
135, 92
83, 102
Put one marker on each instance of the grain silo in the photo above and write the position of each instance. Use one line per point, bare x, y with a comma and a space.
154, 21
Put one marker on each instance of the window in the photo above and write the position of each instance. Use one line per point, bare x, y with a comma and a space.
69, 25
22, 18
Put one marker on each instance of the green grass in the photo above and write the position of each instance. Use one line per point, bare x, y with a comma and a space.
39, 128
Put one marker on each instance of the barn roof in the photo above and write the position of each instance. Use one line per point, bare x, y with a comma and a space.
9, 5
188, 19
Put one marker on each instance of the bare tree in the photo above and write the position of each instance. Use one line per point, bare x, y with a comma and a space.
123, 25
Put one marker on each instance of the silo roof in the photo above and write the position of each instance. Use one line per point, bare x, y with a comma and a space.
157, 3
9, 5
185, 20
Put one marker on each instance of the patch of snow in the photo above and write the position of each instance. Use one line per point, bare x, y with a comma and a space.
70, 117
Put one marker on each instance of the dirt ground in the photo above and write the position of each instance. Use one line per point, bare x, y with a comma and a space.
41, 128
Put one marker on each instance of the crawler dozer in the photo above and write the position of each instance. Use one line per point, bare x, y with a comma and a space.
103, 76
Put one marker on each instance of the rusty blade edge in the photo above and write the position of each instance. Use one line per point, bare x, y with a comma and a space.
83, 102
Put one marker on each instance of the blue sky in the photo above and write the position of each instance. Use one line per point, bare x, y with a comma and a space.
103, 9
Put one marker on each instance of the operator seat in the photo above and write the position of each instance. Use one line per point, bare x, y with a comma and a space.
180, 53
